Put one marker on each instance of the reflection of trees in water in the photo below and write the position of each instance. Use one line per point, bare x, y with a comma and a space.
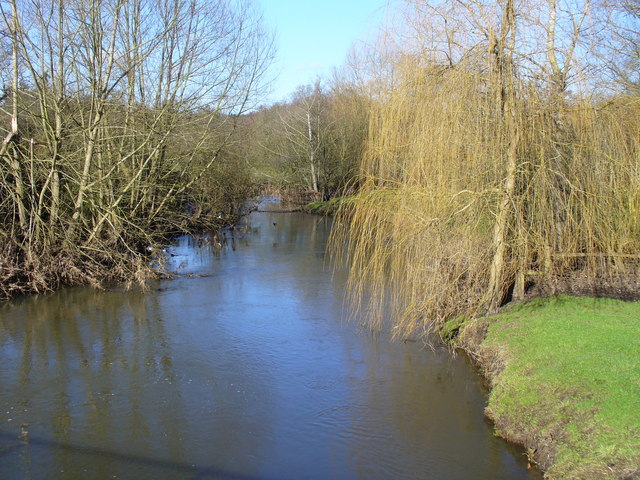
127, 373
146, 385
85, 359
306, 236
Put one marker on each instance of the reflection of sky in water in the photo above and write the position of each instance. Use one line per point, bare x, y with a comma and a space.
240, 367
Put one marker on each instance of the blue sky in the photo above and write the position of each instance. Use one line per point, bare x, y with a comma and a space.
313, 36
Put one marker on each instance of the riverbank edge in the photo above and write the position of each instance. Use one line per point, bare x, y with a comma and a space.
546, 434
327, 208
135, 264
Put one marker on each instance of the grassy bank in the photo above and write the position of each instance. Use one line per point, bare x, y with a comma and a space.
328, 207
565, 374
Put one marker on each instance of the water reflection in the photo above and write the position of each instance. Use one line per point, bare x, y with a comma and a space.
241, 367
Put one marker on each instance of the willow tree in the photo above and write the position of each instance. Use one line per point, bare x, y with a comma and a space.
491, 166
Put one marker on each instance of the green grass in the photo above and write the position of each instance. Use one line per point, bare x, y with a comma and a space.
329, 207
570, 386
451, 327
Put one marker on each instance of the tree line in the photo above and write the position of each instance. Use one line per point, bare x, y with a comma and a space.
489, 148
119, 121
312, 142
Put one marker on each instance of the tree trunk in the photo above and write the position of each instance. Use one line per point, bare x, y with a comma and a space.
312, 151
505, 84
10, 142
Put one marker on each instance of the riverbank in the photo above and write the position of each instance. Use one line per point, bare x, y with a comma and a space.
328, 207
134, 256
130, 256
565, 379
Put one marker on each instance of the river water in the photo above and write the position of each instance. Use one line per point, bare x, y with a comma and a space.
242, 367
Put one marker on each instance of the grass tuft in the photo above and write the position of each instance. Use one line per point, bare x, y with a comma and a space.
328, 207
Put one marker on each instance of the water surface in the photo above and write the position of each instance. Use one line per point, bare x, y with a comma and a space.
243, 367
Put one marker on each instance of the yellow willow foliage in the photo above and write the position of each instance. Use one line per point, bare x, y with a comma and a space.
419, 234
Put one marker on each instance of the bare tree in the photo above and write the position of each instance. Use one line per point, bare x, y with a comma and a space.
304, 124
118, 110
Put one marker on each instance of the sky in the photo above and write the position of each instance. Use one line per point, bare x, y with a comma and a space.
314, 36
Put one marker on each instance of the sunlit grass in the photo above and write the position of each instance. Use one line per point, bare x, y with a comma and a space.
328, 207
571, 378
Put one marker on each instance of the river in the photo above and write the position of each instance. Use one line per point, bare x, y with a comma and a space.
242, 367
